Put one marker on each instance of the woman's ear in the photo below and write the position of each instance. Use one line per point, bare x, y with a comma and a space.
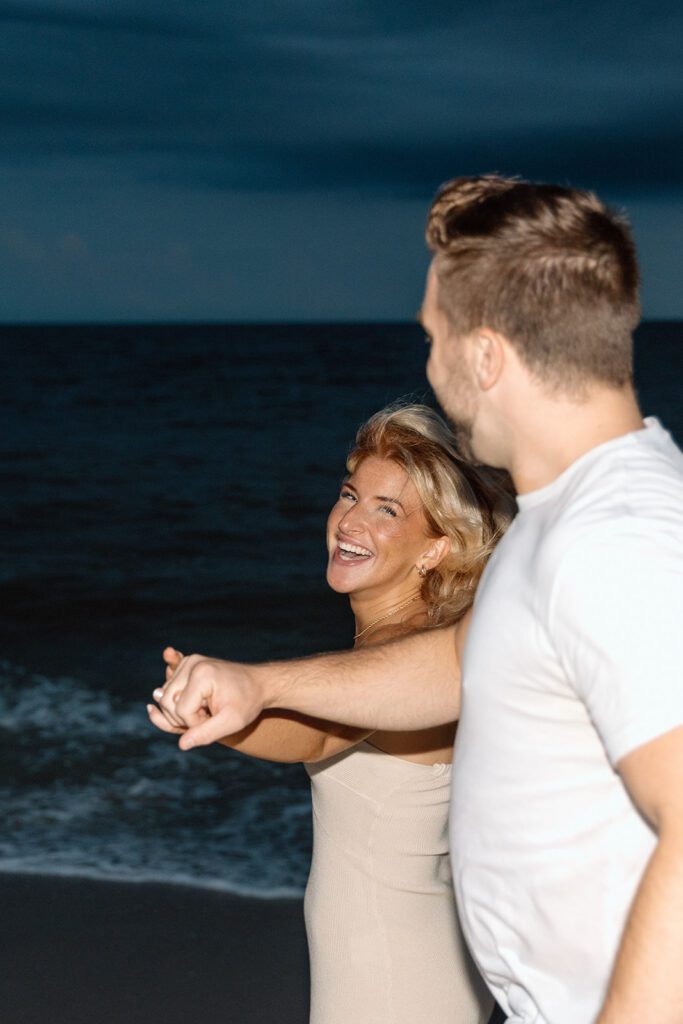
438, 549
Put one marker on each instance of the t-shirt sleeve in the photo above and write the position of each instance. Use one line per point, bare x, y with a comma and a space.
616, 619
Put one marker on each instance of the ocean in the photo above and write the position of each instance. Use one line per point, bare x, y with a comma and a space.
170, 484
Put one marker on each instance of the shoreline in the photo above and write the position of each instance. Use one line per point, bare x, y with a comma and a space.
183, 882
77, 950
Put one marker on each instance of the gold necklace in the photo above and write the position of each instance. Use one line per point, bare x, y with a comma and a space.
411, 600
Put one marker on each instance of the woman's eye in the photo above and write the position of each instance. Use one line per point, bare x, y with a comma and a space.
389, 510
347, 494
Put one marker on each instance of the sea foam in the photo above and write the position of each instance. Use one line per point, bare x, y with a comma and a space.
91, 789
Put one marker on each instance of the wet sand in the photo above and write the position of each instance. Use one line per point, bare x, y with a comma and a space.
76, 951
88, 952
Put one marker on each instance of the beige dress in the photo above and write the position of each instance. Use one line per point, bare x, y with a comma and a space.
384, 941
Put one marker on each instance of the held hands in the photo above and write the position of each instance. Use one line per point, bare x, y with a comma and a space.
172, 659
204, 699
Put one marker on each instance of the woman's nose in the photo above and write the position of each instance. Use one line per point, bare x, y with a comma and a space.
352, 520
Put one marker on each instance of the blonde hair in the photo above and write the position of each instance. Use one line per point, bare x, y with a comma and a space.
471, 505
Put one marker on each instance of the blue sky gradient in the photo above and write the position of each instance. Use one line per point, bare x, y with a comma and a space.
200, 161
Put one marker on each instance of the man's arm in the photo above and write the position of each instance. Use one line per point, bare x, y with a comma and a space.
614, 617
410, 683
276, 735
647, 981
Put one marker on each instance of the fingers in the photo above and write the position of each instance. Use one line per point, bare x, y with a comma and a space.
206, 699
167, 700
173, 659
214, 728
156, 718
178, 670
183, 700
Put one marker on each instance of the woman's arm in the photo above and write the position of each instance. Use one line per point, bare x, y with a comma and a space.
287, 736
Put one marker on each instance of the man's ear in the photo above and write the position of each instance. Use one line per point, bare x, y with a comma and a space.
488, 357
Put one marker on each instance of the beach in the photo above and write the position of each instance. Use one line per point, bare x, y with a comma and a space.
77, 951
169, 484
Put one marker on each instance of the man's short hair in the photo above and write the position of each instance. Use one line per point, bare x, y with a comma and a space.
551, 268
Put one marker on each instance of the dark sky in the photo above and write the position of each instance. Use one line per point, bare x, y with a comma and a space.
275, 159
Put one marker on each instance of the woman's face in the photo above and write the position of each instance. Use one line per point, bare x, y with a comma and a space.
376, 532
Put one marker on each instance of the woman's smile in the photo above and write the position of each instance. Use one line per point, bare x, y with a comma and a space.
351, 553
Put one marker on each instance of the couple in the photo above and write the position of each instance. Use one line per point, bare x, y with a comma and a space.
567, 809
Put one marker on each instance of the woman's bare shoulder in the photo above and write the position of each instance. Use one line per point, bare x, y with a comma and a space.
419, 624
395, 630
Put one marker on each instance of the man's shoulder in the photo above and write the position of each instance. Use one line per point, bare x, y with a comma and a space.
625, 474
625, 499
639, 475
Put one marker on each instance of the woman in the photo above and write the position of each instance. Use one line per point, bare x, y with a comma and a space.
407, 540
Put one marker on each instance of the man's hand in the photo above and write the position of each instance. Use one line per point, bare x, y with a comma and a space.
205, 699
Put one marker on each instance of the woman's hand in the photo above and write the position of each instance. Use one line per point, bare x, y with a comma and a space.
172, 659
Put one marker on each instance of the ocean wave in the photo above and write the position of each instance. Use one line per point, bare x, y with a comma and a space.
97, 792
66, 706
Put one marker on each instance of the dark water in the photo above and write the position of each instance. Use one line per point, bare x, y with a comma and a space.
170, 485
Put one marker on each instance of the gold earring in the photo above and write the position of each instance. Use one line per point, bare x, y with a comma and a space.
422, 571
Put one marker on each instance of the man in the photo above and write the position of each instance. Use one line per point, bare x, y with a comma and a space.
567, 813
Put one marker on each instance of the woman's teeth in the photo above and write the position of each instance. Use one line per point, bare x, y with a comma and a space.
351, 552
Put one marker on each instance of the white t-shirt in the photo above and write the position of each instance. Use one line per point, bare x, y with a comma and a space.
574, 659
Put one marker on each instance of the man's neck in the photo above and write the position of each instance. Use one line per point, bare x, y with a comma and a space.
555, 432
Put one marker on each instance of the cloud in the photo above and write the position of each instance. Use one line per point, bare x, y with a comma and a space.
630, 157
159, 158
78, 17
344, 94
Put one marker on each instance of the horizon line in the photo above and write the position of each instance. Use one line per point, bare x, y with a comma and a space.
198, 322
